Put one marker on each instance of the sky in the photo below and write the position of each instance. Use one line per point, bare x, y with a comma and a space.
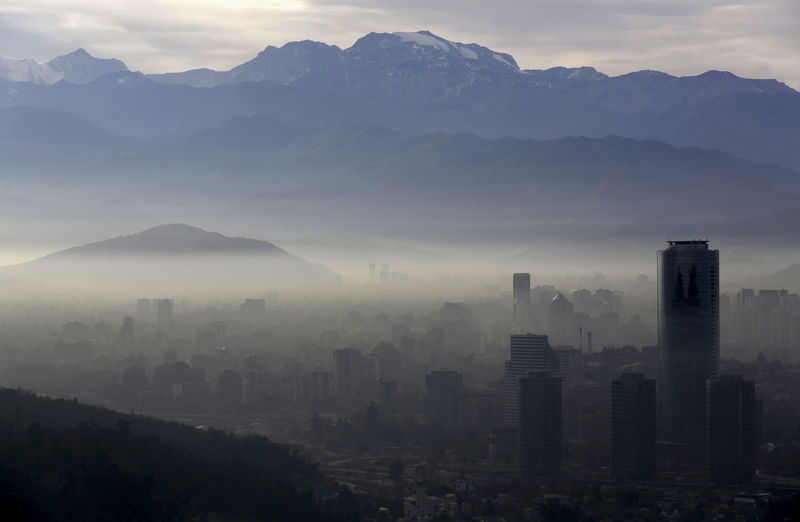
751, 38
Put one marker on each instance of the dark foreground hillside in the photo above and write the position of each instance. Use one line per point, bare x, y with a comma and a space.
60, 460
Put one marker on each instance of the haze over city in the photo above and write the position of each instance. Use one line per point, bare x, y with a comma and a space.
420, 261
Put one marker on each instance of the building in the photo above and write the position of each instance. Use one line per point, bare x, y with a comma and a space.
633, 427
444, 390
144, 310
688, 335
253, 310
731, 430
561, 324
164, 309
230, 391
348, 371
127, 334
478, 409
570, 366
539, 425
522, 301
527, 353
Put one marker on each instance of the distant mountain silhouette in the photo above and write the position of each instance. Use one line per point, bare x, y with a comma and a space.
373, 180
174, 239
174, 258
422, 83
788, 278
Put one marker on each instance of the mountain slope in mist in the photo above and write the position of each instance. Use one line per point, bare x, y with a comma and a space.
174, 239
49, 143
370, 179
423, 83
168, 258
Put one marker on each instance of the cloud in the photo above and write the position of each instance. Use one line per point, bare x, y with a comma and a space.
754, 38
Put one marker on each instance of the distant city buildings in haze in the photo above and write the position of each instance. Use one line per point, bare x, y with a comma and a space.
688, 335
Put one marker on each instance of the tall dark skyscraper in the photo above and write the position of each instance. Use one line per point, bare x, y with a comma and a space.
731, 430
688, 335
527, 353
633, 427
522, 301
539, 426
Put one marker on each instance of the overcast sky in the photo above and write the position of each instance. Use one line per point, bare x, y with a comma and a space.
753, 38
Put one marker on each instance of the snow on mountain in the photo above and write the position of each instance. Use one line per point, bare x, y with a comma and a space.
81, 67
27, 70
425, 40
76, 67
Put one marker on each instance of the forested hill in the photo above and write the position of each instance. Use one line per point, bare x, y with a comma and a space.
61, 460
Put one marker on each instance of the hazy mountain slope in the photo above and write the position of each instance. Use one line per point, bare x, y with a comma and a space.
788, 278
375, 179
172, 257
48, 143
174, 239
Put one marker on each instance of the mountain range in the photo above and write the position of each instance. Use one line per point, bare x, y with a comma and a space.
422, 83
408, 142
376, 181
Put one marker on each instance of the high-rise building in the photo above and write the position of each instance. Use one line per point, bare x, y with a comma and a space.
522, 300
127, 333
633, 427
253, 310
539, 424
570, 366
230, 390
731, 430
144, 310
527, 353
348, 371
561, 325
372, 272
164, 309
444, 390
688, 335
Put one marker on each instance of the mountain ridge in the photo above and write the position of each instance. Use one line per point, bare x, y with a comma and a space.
172, 239
423, 83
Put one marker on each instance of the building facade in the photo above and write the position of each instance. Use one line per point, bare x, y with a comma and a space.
633, 427
688, 335
731, 439
539, 436
527, 353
